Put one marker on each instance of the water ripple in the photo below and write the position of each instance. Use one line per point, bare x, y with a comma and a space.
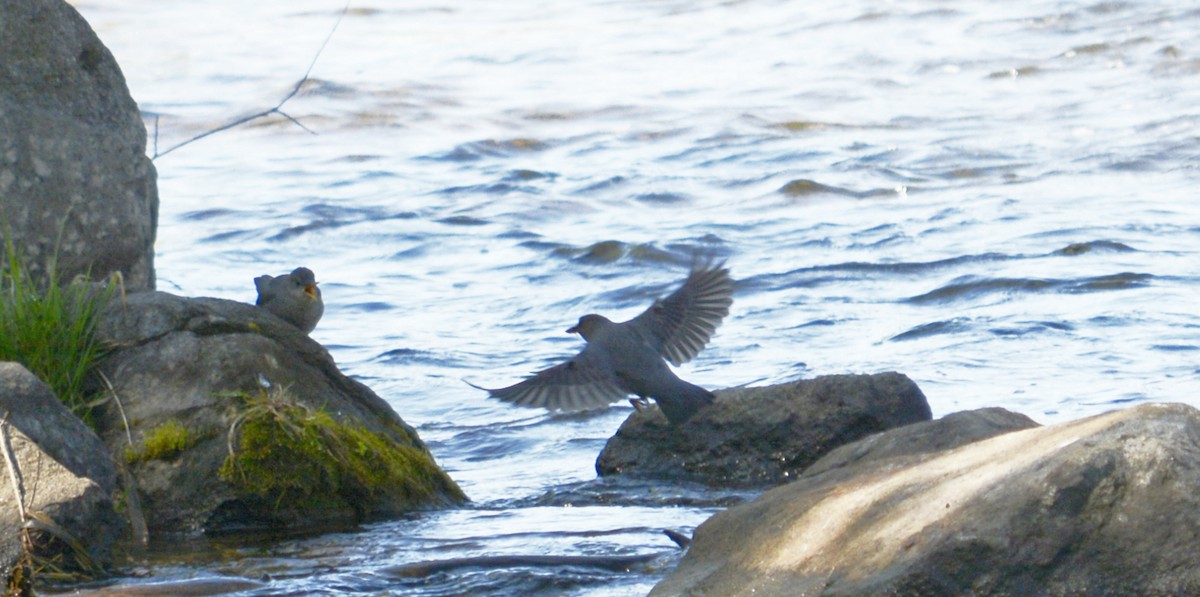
970, 189
490, 148
969, 287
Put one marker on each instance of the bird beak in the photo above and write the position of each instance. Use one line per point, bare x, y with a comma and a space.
573, 329
311, 290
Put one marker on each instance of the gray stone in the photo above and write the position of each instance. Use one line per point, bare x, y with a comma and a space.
763, 436
74, 177
193, 361
1106, 505
65, 472
928, 437
32, 407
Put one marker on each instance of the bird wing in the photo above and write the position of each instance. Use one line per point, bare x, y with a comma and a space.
584, 382
680, 325
263, 285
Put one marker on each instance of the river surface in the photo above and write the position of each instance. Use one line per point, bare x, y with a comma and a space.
997, 199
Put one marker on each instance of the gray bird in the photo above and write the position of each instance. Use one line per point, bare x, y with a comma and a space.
293, 298
628, 358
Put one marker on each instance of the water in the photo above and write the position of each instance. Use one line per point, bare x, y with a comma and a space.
997, 200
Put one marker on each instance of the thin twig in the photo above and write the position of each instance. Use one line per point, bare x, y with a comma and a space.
121, 409
229, 438
14, 471
137, 519
264, 113
133, 504
40, 521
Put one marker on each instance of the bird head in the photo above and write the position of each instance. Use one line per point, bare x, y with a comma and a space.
589, 325
304, 277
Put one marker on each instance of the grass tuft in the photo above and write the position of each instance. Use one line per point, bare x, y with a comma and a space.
50, 329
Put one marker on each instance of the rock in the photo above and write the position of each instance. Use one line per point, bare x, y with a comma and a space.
928, 437
1106, 505
763, 436
66, 475
188, 375
74, 177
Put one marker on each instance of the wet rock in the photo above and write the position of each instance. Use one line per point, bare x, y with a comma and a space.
66, 476
74, 177
763, 436
1101, 506
216, 451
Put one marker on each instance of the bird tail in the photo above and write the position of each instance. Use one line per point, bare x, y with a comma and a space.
681, 405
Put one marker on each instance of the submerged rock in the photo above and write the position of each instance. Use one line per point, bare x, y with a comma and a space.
65, 474
1101, 506
763, 436
216, 450
75, 182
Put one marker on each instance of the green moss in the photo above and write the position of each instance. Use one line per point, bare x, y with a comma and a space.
304, 458
162, 442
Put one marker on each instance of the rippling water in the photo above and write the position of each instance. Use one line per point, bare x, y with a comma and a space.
997, 199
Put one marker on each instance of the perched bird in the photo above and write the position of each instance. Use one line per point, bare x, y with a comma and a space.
293, 298
627, 358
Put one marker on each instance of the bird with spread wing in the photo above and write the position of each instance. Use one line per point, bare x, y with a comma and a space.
631, 357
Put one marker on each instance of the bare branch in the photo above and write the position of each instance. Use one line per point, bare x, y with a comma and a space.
264, 113
120, 408
298, 123
14, 470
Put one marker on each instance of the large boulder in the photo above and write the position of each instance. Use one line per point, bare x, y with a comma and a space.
1106, 505
766, 435
66, 477
74, 178
239, 421
929, 437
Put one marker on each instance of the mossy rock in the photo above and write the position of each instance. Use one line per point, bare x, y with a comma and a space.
289, 460
327, 451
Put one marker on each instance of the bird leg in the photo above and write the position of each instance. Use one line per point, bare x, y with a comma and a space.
640, 403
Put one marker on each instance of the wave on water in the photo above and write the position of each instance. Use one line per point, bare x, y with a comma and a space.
922, 267
330, 217
968, 325
969, 287
682, 255
519, 575
477, 446
490, 148
934, 328
496, 188
410, 356
806, 188
1175, 347
628, 491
